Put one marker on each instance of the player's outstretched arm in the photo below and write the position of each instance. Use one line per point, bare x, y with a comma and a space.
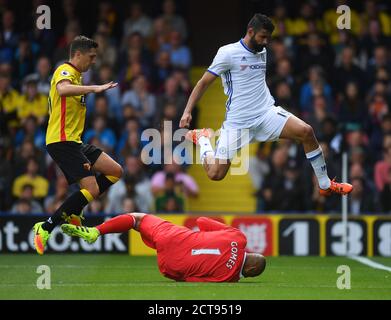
66, 88
195, 96
207, 224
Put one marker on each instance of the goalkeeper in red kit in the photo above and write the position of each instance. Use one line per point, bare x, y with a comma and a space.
216, 253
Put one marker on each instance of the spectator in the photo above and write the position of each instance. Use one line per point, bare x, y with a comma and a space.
283, 73
27, 195
172, 97
43, 72
189, 186
143, 102
9, 104
347, 71
373, 28
40, 184
22, 206
315, 86
162, 70
361, 200
352, 110
22, 154
32, 102
5, 175
138, 21
161, 34
382, 167
318, 116
107, 53
72, 30
31, 131
129, 205
377, 136
175, 21
95, 207
385, 195
284, 26
101, 108
132, 146
140, 188
113, 96
380, 60
307, 21
377, 106
131, 127
182, 78
24, 58
108, 14
170, 200
100, 131
180, 54
258, 168
52, 202
9, 35
314, 51
274, 179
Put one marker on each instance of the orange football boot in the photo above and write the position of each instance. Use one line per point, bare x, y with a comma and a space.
194, 135
341, 188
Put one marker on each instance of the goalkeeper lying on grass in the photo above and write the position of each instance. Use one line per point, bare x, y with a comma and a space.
216, 253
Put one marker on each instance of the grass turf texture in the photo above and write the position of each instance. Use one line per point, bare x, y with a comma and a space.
125, 277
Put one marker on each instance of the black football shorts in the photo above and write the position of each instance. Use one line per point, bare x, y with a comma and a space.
74, 159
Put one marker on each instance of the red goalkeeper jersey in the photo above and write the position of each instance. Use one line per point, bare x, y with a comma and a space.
213, 254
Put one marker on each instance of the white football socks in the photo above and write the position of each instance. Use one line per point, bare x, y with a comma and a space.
317, 161
205, 148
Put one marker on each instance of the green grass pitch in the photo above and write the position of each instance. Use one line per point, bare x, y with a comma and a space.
125, 277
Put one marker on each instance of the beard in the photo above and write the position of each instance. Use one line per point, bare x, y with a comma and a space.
257, 47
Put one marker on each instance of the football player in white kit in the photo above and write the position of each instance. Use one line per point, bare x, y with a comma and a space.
250, 106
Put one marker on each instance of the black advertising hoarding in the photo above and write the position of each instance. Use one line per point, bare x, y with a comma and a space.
356, 237
382, 237
298, 237
16, 236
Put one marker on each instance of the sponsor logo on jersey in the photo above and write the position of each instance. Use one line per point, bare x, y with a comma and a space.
252, 67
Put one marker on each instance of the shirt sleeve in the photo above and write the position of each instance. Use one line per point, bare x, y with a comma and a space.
64, 74
221, 63
207, 224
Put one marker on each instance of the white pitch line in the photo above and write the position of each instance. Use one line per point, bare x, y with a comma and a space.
370, 263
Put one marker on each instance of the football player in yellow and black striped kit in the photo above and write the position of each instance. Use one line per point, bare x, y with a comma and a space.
85, 164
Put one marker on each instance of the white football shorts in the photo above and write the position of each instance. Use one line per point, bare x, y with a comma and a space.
269, 129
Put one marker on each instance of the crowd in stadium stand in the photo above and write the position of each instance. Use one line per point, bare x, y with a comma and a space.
339, 81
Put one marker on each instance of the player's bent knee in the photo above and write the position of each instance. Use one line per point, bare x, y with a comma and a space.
94, 191
137, 217
118, 171
307, 132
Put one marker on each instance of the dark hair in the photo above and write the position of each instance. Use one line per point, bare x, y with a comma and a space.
260, 21
27, 186
82, 44
170, 176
